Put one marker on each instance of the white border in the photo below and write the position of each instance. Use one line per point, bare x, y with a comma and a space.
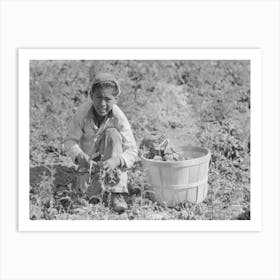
254, 55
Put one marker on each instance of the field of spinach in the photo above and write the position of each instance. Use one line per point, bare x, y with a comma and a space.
201, 103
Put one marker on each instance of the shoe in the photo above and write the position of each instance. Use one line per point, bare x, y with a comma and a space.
94, 200
94, 191
118, 203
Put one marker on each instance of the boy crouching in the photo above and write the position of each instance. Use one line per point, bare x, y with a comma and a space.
100, 128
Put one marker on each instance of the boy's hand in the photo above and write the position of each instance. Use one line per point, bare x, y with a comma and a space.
82, 159
111, 163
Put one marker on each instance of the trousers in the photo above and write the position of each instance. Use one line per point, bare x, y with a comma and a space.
109, 145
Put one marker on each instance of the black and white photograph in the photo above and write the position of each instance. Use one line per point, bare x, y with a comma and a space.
140, 139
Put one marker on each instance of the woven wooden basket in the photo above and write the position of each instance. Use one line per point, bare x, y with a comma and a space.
174, 182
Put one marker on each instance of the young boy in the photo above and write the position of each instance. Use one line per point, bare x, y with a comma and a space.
101, 128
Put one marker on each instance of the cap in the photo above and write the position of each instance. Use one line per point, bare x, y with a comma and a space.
106, 77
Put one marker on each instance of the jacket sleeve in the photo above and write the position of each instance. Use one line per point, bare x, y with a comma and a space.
129, 154
72, 141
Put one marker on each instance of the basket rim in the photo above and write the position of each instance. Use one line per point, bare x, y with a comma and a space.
182, 163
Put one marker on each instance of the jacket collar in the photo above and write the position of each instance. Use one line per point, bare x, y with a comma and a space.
96, 118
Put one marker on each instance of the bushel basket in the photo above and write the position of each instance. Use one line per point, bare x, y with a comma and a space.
173, 182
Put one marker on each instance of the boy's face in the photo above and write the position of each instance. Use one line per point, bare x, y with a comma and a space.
103, 100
